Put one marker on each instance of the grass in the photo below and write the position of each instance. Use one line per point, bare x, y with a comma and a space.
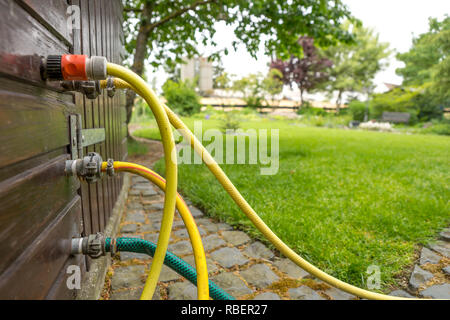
135, 148
342, 199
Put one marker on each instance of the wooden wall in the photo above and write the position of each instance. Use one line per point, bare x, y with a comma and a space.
40, 208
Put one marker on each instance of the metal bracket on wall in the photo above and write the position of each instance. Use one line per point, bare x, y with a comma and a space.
80, 138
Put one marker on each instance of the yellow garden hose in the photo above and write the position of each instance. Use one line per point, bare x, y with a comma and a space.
171, 171
194, 234
252, 215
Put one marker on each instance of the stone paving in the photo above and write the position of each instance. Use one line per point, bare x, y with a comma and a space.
245, 268
430, 277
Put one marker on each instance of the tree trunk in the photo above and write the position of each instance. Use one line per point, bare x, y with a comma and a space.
301, 97
139, 55
338, 102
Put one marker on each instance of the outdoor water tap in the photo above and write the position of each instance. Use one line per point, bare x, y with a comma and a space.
89, 168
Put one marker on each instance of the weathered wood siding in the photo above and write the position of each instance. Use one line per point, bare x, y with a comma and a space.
40, 208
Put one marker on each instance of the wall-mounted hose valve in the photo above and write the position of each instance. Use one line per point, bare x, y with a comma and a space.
91, 89
89, 168
92, 245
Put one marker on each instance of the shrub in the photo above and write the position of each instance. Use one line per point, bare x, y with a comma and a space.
419, 102
254, 102
141, 111
357, 110
181, 97
439, 127
308, 109
230, 121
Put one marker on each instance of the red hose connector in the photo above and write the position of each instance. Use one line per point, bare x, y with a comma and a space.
74, 67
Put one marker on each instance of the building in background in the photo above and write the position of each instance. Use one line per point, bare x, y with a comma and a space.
198, 69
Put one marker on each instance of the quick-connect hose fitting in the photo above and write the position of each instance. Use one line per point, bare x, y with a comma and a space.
73, 67
89, 168
92, 245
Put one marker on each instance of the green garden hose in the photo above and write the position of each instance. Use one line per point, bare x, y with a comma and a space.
175, 263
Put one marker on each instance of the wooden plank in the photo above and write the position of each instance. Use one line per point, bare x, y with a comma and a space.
96, 35
88, 35
107, 201
32, 123
54, 20
111, 101
113, 107
28, 202
101, 50
24, 41
40, 263
22, 166
83, 191
116, 52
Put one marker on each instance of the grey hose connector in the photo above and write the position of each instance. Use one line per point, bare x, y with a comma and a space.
96, 68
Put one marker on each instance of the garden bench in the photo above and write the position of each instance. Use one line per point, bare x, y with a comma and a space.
396, 117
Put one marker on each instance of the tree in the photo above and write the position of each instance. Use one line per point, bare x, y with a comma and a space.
255, 88
428, 61
251, 88
273, 84
355, 64
169, 31
306, 71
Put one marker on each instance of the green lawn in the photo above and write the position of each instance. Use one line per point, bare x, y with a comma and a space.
342, 199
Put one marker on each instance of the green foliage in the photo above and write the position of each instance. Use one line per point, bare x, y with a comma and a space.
272, 83
136, 148
439, 127
307, 109
357, 110
181, 97
141, 111
428, 61
251, 88
396, 100
171, 30
414, 100
230, 121
222, 81
355, 64
255, 88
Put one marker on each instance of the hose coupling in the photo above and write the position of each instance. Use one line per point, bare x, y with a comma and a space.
92, 245
89, 168
110, 167
110, 88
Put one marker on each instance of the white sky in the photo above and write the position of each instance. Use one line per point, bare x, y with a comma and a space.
396, 21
